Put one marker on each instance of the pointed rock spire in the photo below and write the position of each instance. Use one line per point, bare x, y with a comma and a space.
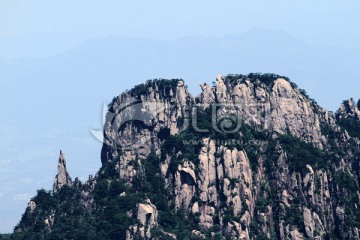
63, 177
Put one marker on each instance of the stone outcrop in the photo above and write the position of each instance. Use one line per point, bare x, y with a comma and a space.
147, 216
185, 185
62, 178
32, 206
49, 221
198, 234
348, 109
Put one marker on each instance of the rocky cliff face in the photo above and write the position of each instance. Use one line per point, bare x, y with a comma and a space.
219, 183
137, 117
252, 157
277, 106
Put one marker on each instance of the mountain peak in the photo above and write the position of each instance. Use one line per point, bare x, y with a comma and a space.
251, 157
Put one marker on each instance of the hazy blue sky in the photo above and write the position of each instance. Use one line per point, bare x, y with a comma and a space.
322, 22
60, 61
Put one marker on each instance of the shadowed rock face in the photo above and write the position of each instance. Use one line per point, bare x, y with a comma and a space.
186, 178
62, 178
